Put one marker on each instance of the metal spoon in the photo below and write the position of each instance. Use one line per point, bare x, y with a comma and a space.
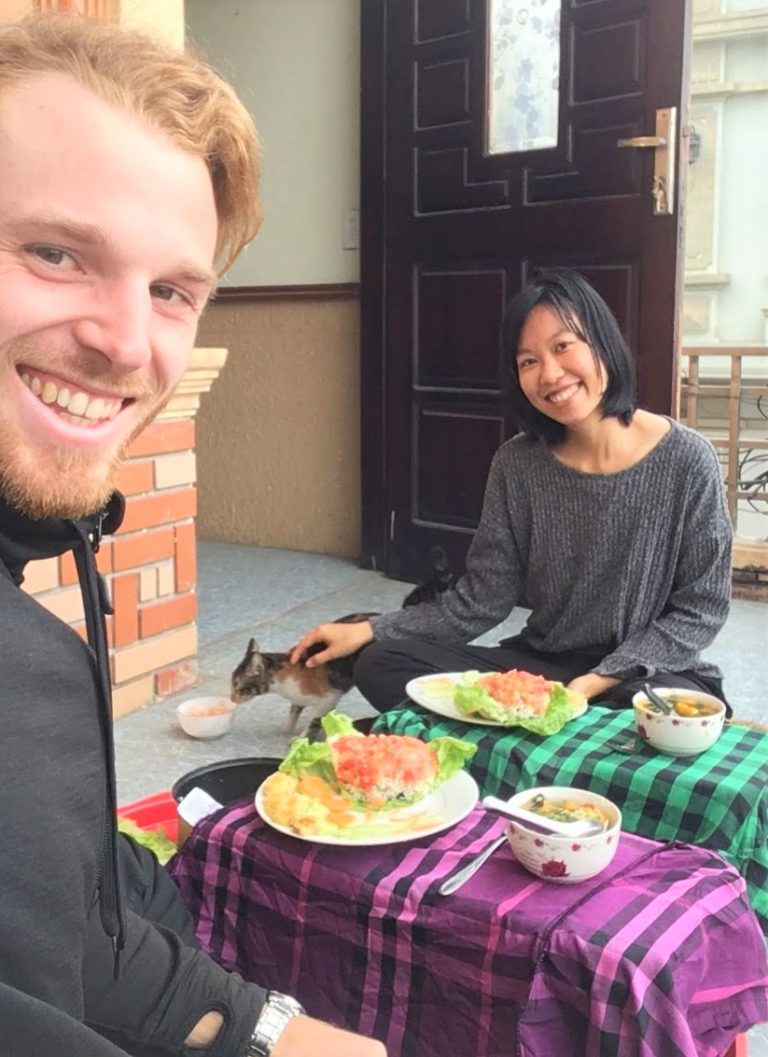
539, 823
583, 828
456, 880
658, 702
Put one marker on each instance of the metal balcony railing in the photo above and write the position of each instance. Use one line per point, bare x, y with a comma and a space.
736, 447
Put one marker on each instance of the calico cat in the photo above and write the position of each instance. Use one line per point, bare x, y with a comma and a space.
441, 578
318, 689
315, 689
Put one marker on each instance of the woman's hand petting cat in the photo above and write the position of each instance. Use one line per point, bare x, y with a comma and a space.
339, 639
592, 684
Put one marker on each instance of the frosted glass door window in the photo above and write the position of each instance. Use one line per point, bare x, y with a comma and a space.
523, 74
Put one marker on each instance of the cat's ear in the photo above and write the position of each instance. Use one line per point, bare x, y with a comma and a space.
253, 647
439, 559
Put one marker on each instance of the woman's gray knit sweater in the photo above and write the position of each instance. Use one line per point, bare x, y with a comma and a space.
636, 562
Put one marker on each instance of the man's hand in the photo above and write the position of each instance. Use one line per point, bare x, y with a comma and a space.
306, 1037
301, 1037
340, 640
592, 685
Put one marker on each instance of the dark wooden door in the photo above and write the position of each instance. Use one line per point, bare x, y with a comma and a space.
451, 232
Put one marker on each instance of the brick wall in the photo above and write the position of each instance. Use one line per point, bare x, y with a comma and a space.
150, 563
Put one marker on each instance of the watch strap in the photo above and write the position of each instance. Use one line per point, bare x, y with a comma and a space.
277, 1011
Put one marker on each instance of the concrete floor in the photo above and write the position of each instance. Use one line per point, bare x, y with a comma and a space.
275, 596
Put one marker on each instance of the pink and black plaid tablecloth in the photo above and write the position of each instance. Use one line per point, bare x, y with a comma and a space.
660, 956
718, 799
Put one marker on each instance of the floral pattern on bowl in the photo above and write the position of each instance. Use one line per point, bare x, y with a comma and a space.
678, 735
558, 858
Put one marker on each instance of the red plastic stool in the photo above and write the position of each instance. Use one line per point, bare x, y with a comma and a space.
738, 1047
154, 812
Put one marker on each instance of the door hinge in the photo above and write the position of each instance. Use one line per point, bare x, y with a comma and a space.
392, 518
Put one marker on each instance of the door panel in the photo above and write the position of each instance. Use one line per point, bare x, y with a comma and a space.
456, 309
447, 443
450, 233
438, 19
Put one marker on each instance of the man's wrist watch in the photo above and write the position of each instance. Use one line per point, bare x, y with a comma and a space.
275, 1014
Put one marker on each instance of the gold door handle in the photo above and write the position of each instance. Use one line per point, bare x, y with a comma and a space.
663, 144
643, 141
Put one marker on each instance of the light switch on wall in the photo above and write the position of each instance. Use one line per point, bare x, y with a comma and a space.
350, 236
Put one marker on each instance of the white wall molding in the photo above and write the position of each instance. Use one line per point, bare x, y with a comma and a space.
707, 280
730, 27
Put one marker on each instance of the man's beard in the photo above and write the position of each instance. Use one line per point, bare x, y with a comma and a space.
66, 482
66, 486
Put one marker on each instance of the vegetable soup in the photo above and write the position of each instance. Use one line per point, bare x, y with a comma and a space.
567, 810
687, 707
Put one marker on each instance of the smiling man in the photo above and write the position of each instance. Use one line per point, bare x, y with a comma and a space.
129, 179
107, 234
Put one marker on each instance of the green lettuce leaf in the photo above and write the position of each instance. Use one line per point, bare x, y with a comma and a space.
310, 757
336, 724
305, 757
452, 754
156, 840
472, 699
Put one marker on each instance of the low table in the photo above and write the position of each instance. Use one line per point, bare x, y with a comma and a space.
631, 963
718, 799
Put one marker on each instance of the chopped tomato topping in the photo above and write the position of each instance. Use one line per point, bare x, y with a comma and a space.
377, 760
517, 688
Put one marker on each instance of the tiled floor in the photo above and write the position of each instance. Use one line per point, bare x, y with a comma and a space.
275, 596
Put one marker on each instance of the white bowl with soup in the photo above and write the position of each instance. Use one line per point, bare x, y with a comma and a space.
694, 724
205, 717
557, 858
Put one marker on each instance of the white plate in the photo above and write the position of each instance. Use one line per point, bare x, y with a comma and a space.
453, 801
435, 693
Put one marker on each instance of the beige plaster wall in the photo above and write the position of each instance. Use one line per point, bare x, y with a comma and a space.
278, 444
296, 66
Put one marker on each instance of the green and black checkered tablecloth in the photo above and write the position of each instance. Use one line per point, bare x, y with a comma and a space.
718, 799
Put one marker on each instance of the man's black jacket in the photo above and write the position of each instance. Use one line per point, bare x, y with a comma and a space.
63, 928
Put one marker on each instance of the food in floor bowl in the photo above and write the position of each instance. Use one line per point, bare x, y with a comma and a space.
356, 786
694, 724
557, 858
206, 717
517, 698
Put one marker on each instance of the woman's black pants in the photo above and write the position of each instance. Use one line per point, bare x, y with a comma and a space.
383, 668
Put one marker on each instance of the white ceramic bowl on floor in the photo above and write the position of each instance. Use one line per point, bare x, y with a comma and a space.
553, 857
676, 734
206, 717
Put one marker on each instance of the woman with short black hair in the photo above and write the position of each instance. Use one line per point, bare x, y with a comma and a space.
587, 316
608, 522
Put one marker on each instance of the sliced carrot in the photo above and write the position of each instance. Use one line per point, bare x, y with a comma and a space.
312, 786
341, 818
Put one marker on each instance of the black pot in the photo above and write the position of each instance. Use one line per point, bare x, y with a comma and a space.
228, 780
